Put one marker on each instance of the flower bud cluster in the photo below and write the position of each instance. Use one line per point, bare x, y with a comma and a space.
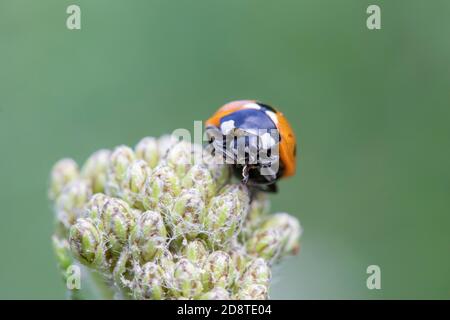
161, 221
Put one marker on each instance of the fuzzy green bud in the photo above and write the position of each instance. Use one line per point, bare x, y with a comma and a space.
135, 179
252, 292
199, 177
147, 150
239, 256
165, 143
63, 172
86, 243
94, 207
119, 161
219, 270
265, 243
216, 294
121, 269
259, 208
195, 251
225, 214
289, 229
117, 219
258, 211
184, 218
161, 188
187, 279
220, 173
149, 282
70, 203
95, 169
258, 272
181, 157
61, 248
148, 236
164, 258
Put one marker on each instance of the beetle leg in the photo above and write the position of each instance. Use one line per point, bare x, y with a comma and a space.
245, 174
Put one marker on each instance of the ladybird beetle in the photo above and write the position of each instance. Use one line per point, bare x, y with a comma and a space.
256, 139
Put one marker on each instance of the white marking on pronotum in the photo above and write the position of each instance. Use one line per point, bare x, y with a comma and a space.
227, 127
272, 116
252, 105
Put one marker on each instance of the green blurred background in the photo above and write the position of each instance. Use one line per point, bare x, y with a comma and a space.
371, 110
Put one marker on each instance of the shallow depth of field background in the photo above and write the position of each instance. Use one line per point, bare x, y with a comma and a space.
371, 110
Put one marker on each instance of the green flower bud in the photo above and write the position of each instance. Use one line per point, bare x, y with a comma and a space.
289, 228
94, 207
239, 256
265, 243
187, 279
61, 248
259, 209
117, 220
86, 243
165, 259
121, 270
252, 292
219, 270
199, 177
220, 173
149, 282
181, 157
148, 237
225, 214
161, 188
119, 161
136, 177
70, 203
166, 142
258, 272
184, 218
95, 169
216, 294
147, 150
195, 251
63, 172
136, 213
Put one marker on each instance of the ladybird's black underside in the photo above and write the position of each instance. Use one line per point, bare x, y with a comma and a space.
257, 180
